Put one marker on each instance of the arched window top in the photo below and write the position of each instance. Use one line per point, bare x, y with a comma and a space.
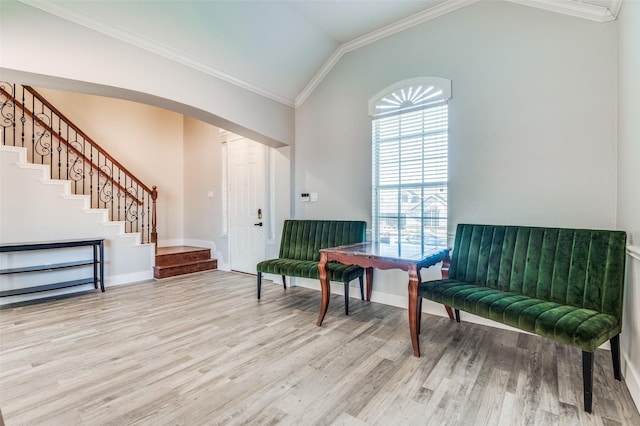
409, 95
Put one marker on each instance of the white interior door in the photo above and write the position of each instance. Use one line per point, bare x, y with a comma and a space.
247, 200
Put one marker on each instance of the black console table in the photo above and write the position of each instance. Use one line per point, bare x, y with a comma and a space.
97, 261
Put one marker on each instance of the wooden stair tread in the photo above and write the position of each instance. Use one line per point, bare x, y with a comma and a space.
163, 251
180, 260
179, 255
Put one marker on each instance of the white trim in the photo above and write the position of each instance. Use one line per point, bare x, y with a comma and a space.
270, 209
277, 279
171, 242
634, 251
401, 25
614, 7
438, 82
631, 379
577, 9
152, 46
131, 278
568, 7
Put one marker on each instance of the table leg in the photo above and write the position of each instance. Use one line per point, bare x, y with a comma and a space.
418, 302
369, 272
325, 277
414, 283
446, 264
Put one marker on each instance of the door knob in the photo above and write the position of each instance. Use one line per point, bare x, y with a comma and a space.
258, 224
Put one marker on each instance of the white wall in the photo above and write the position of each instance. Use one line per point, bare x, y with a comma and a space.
203, 174
43, 50
629, 183
144, 139
280, 188
24, 189
532, 121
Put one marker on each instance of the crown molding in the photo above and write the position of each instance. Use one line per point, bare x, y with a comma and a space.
614, 7
568, 7
576, 8
401, 25
149, 45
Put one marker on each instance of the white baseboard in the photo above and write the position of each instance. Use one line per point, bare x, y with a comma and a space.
171, 243
631, 379
134, 277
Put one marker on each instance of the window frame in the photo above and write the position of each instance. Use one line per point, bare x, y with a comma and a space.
392, 104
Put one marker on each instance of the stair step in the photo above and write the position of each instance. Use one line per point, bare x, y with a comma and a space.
177, 255
185, 268
180, 260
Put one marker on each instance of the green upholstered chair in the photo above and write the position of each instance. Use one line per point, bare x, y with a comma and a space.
563, 284
300, 252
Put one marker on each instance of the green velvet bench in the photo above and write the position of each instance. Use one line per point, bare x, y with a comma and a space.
300, 252
563, 284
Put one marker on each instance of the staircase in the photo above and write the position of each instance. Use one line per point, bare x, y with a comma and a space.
47, 138
180, 260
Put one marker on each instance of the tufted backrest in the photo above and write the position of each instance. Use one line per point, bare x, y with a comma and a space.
578, 267
303, 239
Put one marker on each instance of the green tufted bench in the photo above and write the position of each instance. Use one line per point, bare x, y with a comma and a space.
564, 284
300, 252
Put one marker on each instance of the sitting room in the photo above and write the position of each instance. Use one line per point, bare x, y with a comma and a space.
320, 212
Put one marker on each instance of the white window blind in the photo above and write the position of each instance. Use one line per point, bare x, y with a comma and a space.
410, 166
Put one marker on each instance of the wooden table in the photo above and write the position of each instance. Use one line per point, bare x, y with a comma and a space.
407, 257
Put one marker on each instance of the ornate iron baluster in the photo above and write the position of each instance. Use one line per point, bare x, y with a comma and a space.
91, 174
38, 124
120, 194
8, 111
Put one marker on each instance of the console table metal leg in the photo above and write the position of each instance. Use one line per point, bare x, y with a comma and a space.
94, 248
102, 265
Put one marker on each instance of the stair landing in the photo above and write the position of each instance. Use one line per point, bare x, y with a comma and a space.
181, 260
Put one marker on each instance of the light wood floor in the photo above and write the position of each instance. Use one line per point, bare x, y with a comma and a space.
201, 349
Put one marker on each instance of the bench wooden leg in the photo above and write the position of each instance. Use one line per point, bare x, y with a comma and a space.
284, 282
259, 283
615, 356
587, 379
449, 311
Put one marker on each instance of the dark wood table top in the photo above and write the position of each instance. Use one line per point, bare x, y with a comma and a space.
390, 255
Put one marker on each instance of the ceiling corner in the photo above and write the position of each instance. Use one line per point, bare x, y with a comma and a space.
593, 10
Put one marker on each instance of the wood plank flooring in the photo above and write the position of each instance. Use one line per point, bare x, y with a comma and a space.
201, 350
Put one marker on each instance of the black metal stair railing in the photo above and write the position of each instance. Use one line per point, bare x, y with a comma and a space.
29, 121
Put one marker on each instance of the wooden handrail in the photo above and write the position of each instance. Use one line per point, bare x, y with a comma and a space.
87, 138
110, 163
74, 149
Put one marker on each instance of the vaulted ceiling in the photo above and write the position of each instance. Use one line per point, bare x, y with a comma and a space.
280, 49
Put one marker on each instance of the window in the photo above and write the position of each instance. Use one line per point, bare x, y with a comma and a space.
410, 130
